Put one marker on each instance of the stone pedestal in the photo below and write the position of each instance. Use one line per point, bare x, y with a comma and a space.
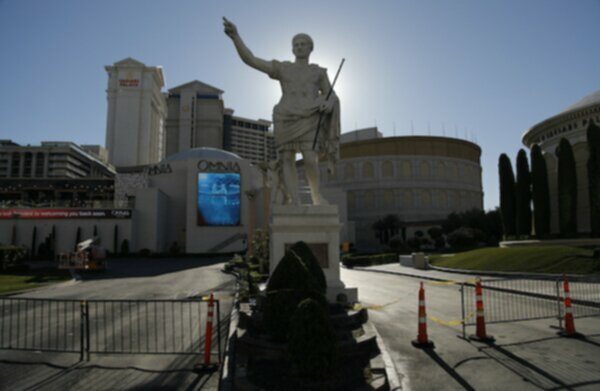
319, 227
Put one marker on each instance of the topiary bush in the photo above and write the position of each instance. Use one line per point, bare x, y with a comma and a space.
306, 256
291, 273
290, 283
311, 345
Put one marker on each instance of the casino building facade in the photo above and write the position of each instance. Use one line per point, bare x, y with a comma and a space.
183, 172
421, 179
571, 124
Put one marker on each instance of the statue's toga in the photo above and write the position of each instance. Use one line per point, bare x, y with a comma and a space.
304, 88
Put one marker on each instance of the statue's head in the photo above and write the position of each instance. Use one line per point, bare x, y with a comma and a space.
302, 45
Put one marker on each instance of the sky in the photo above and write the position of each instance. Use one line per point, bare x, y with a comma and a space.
480, 70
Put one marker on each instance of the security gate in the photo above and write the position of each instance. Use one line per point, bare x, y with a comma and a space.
106, 326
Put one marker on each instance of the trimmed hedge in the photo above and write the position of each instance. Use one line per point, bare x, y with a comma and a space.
369, 260
312, 345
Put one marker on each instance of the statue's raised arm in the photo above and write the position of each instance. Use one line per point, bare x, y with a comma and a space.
243, 51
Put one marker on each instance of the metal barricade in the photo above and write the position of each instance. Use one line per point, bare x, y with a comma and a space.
41, 325
106, 326
512, 300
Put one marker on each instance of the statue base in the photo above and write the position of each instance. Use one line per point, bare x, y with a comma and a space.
319, 227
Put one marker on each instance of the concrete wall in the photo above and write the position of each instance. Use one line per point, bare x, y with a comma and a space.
151, 210
66, 231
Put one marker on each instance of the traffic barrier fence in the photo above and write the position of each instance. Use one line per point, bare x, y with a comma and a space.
511, 300
106, 326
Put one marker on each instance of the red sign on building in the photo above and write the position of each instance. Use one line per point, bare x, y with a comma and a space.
129, 82
65, 214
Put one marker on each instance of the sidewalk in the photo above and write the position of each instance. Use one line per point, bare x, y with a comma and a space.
430, 274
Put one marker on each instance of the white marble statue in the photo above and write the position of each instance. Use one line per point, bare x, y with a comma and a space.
304, 89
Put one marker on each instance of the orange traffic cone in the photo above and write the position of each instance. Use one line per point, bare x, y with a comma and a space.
569, 330
422, 341
206, 364
480, 333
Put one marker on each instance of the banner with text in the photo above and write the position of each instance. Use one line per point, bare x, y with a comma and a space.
65, 214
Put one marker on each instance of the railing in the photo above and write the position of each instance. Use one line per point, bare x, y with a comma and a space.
232, 239
511, 300
41, 324
106, 326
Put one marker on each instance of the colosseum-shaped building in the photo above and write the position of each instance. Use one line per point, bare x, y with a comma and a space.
571, 124
421, 179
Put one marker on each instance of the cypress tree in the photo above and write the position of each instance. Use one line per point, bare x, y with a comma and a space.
540, 192
116, 239
33, 240
507, 195
77, 237
593, 166
523, 195
567, 189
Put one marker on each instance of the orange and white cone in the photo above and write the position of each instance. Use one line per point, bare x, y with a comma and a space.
422, 340
206, 365
569, 330
480, 333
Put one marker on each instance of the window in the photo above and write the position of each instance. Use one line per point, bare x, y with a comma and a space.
367, 170
387, 169
348, 171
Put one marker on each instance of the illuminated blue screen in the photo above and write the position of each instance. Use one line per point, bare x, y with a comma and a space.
218, 198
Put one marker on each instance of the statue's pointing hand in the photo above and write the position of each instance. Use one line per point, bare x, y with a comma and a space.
230, 28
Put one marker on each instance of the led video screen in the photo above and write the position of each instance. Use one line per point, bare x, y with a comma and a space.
218, 199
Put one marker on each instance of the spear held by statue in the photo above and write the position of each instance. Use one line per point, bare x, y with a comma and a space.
327, 98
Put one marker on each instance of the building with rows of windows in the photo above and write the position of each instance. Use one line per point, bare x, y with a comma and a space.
54, 173
421, 179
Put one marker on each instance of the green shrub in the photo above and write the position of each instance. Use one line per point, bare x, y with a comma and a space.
523, 196
125, 247
593, 166
11, 256
507, 195
306, 256
291, 273
290, 283
174, 249
279, 307
567, 189
369, 260
540, 193
312, 345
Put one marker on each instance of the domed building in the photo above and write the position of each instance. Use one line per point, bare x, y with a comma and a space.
571, 124
421, 179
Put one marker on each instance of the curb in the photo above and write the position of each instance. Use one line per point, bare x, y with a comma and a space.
226, 377
531, 276
391, 372
38, 288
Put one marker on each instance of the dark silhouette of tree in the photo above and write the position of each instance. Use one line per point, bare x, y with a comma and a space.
523, 195
540, 192
593, 166
507, 195
567, 189
386, 228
